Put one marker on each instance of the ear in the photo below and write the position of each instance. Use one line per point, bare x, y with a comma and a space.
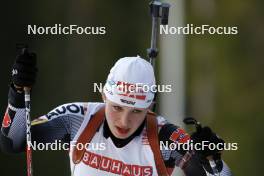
103, 97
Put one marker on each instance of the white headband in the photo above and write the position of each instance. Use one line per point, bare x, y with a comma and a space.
129, 83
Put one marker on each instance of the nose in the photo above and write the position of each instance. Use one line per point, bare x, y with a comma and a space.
124, 121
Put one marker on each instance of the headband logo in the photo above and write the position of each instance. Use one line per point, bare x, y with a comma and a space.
130, 90
128, 102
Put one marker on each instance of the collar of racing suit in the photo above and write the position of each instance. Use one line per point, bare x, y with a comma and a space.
119, 143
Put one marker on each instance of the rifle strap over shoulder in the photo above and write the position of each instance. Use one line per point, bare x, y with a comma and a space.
87, 135
152, 133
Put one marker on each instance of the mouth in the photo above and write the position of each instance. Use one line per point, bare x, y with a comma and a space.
122, 131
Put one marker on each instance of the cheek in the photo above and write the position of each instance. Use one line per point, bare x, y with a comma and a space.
110, 116
137, 120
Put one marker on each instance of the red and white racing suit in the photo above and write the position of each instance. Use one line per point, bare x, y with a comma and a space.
108, 155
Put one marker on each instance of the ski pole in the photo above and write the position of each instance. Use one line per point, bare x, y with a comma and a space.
28, 125
28, 121
198, 125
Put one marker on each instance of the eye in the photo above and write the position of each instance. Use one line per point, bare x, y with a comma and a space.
117, 108
136, 111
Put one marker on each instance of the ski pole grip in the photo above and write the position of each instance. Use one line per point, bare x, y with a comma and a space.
27, 93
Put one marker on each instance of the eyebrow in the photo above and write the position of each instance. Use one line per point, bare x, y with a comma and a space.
129, 109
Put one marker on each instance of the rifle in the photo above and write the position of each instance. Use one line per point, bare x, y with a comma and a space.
160, 14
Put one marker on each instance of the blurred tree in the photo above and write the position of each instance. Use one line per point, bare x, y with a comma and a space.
225, 77
68, 64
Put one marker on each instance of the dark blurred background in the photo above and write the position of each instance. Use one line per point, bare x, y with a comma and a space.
224, 74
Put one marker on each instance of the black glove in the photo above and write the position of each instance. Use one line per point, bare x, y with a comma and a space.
206, 134
24, 71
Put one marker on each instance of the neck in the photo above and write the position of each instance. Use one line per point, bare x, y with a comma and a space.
119, 143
